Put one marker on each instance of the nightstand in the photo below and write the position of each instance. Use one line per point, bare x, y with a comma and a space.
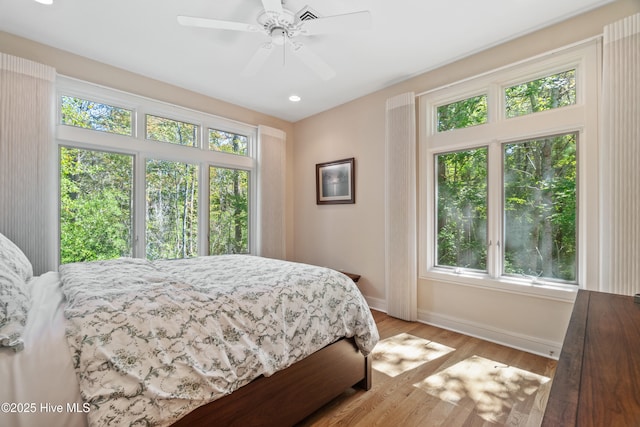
354, 277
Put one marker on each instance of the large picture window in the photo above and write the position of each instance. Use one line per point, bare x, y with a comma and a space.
506, 195
96, 205
229, 211
134, 183
540, 215
462, 209
172, 210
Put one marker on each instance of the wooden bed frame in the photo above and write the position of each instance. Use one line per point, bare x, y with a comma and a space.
290, 395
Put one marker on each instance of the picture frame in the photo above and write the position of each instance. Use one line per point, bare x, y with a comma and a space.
335, 182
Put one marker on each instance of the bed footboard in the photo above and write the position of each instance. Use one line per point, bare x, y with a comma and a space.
289, 396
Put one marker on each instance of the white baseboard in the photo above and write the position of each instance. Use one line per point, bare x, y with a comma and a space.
511, 339
376, 304
522, 342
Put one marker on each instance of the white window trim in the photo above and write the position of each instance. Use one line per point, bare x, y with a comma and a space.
143, 149
580, 118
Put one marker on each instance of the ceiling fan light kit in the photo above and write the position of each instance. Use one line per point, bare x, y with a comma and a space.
282, 26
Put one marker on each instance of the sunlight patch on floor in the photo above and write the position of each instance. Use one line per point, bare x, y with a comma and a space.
494, 387
403, 352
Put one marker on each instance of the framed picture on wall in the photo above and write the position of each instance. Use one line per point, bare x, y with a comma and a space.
335, 182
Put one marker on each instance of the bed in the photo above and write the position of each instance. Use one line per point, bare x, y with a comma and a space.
109, 342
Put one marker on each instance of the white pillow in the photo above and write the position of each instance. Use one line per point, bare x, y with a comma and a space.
14, 307
13, 259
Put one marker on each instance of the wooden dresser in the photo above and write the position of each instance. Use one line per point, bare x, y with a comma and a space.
597, 380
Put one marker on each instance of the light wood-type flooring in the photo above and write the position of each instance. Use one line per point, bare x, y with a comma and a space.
427, 376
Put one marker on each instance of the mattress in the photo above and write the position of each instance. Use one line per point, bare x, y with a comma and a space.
39, 385
152, 340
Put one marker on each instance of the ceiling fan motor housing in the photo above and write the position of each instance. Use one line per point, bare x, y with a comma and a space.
279, 26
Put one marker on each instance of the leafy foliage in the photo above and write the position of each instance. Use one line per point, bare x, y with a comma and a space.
540, 208
462, 114
93, 115
172, 210
228, 212
172, 131
549, 92
228, 142
96, 190
462, 209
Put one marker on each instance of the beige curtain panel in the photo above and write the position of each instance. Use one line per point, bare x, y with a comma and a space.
271, 192
27, 159
400, 207
620, 157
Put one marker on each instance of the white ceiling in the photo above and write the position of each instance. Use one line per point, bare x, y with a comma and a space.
407, 37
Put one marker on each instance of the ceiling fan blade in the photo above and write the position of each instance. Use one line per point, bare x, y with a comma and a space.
216, 24
272, 6
313, 61
337, 23
258, 59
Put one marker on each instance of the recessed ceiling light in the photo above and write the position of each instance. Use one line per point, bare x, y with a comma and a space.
45, 1
294, 98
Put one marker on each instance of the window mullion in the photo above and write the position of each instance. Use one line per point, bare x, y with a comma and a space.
204, 203
139, 206
495, 210
140, 188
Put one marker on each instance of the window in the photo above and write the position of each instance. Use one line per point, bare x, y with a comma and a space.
138, 186
172, 210
94, 115
506, 202
172, 131
462, 209
228, 142
96, 196
462, 114
229, 211
542, 94
540, 221
540, 218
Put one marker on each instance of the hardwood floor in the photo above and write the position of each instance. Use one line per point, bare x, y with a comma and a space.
426, 376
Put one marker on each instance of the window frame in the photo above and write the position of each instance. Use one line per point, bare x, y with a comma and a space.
143, 149
580, 118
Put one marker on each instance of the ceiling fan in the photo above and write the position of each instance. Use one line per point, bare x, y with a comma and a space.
283, 26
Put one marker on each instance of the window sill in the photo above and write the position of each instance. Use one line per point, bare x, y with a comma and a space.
546, 290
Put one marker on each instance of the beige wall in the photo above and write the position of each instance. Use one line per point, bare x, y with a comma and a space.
351, 237
88, 70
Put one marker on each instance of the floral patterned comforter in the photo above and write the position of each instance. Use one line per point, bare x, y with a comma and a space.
152, 341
